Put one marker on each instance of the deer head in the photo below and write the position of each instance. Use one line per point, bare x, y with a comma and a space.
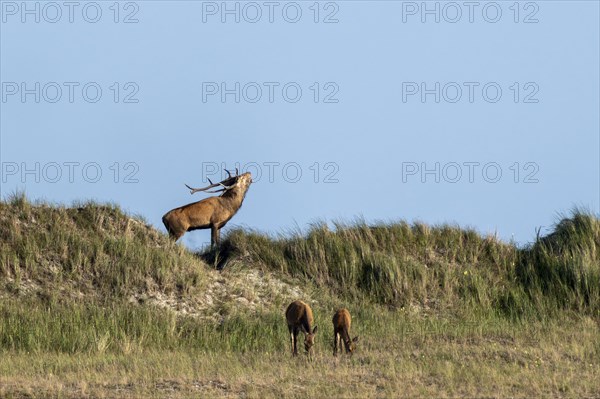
309, 339
351, 344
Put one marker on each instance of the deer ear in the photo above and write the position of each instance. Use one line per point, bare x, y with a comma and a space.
314, 330
355, 339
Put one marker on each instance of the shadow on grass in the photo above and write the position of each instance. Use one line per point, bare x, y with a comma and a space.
218, 256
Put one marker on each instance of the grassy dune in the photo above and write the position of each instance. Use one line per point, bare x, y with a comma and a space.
96, 303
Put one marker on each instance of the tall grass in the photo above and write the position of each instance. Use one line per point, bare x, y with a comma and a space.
440, 267
395, 264
562, 269
90, 327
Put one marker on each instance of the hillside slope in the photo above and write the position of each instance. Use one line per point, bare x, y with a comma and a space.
97, 251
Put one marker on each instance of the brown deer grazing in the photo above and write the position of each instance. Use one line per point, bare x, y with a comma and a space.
341, 330
300, 318
212, 212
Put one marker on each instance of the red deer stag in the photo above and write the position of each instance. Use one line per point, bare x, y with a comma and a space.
341, 331
212, 212
300, 318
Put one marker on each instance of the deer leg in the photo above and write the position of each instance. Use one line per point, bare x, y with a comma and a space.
295, 341
291, 339
346, 337
214, 236
335, 343
175, 235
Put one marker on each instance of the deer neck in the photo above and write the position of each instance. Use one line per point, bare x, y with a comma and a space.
346, 336
235, 196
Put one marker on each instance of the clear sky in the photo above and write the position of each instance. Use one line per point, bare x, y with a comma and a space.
484, 114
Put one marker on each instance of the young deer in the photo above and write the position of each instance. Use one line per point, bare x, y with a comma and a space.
341, 330
300, 318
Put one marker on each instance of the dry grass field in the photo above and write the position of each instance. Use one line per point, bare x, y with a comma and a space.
560, 360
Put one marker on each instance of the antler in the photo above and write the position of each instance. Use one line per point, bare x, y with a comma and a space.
225, 188
229, 173
195, 190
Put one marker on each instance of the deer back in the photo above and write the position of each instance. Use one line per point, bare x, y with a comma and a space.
299, 314
342, 321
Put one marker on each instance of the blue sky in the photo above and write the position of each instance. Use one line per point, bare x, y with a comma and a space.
487, 117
